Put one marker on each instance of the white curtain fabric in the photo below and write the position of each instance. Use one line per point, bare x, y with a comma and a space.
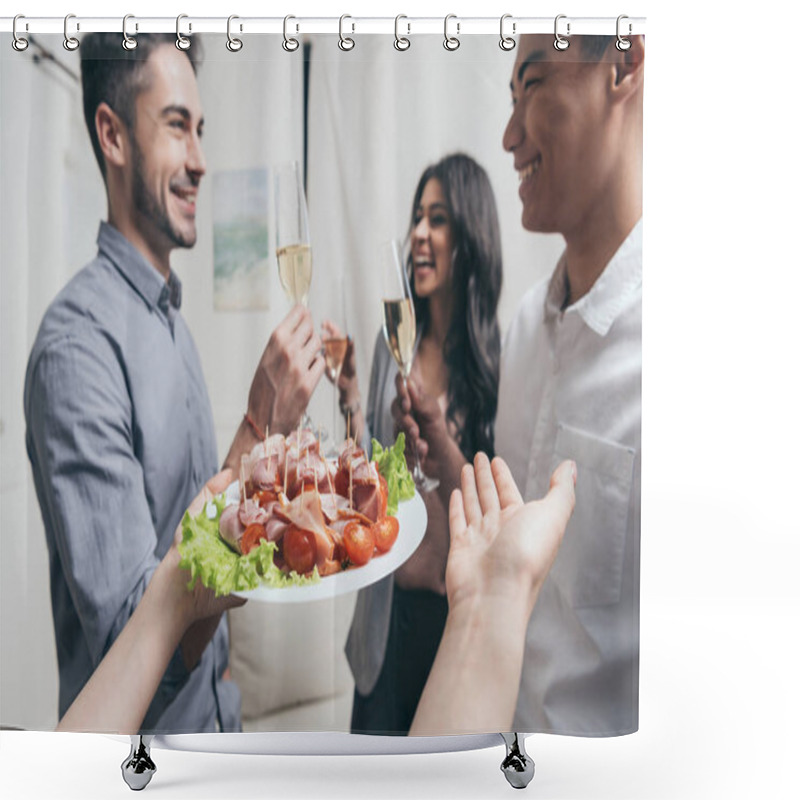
376, 119
51, 200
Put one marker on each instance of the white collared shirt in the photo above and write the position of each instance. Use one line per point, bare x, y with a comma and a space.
570, 387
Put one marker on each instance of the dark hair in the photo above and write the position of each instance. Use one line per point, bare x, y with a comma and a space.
111, 74
472, 343
593, 47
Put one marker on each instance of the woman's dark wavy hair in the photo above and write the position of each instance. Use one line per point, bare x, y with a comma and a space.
472, 343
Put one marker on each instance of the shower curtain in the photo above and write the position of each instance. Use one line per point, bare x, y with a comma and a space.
484, 186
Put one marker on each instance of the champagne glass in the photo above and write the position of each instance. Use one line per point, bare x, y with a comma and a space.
335, 351
293, 243
400, 330
292, 239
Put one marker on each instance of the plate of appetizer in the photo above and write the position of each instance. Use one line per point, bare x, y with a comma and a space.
298, 527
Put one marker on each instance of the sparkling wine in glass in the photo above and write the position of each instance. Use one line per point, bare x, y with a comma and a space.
335, 350
291, 234
400, 330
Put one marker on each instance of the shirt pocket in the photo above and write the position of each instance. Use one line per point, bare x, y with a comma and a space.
588, 568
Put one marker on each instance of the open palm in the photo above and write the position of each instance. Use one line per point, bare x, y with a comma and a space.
500, 547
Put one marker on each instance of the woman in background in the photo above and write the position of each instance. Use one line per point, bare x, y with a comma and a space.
455, 271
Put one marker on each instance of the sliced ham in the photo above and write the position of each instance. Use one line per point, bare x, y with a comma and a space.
267, 473
276, 527
293, 460
251, 513
269, 461
363, 471
350, 451
332, 505
354, 469
346, 515
296, 463
337, 526
275, 444
230, 527
276, 523
305, 512
367, 501
302, 442
312, 470
235, 518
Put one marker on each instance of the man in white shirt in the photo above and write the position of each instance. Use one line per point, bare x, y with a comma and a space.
570, 382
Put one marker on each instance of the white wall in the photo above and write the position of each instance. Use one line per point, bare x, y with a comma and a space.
50, 204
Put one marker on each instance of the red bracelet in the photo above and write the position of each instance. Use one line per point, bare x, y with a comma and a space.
254, 427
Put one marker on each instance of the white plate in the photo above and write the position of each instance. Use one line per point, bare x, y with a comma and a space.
413, 519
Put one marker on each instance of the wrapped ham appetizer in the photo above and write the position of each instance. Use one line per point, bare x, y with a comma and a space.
299, 517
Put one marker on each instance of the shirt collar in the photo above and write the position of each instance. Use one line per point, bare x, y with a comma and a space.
139, 272
600, 306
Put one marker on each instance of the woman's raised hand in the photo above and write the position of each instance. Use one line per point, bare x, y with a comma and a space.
501, 548
419, 416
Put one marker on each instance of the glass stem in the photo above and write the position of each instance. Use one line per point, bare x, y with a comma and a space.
335, 410
416, 470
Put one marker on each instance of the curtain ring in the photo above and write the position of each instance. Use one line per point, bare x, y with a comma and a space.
233, 44
451, 42
623, 44
290, 44
560, 42
181, 41
346, 42
19, 43
401, 42
128, 42
506, 42
70, 42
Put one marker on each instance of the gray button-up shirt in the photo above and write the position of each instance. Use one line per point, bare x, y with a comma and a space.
120, 438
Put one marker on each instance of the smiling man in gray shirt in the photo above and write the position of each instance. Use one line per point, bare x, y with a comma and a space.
120, 433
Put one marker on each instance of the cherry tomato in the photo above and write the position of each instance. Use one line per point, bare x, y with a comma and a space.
299, 550
385, 532
359, 543
252, 535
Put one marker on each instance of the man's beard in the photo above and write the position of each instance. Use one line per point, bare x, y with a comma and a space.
149, 206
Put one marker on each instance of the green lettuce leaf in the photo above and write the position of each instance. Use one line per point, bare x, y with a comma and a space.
392, 465
218, 567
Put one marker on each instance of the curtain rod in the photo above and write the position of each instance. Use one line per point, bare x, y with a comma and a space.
461, 26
